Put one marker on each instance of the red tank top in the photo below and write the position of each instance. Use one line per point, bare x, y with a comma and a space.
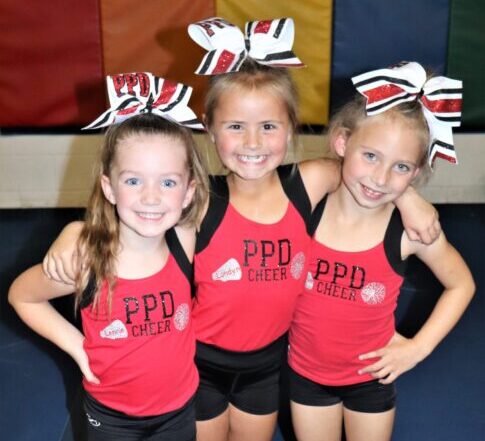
249, 276
143, 354
347, 309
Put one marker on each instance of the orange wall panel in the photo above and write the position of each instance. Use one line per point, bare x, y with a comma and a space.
151, 36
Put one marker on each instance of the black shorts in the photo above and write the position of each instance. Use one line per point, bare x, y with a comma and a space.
368, 397
247, 380
106, 424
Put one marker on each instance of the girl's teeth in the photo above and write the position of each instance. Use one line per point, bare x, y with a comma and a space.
150, 215
253, 159
372, 192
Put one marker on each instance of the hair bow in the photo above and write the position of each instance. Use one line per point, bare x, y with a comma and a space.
268, 42
135, 93
440, 97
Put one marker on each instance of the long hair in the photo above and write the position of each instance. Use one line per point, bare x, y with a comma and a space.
99, 239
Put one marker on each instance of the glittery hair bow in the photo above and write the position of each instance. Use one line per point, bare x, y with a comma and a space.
440, 97
268, 42
135, 93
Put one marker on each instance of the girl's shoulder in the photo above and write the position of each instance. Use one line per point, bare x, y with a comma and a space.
320, 176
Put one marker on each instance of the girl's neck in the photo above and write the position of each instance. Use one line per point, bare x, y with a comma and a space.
140, 257
253, 187
350, 210
262, 200
347, 226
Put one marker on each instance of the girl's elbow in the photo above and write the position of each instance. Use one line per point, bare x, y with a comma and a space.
12, 295
16, 291
472, 288
468, 289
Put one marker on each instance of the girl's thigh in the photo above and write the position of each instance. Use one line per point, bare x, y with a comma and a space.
214, 429
245, 426
362, 426
317, 423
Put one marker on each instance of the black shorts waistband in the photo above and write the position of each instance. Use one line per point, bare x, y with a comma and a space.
92, 403
235, 361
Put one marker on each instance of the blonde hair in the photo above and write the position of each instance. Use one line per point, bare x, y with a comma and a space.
99, 238
351, 116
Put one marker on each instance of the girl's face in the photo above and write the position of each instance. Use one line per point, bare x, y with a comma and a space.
251, 131
149, 184
380, 160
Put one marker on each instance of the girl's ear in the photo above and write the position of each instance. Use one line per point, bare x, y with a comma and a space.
416, 173
290, 137
108, 189
189, 194
340, 144
204, 121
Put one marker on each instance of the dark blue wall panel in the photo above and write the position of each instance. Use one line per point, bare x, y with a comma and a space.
369, 34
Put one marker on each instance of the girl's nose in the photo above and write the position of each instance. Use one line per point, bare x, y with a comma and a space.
151, 195
380, 176
252, 139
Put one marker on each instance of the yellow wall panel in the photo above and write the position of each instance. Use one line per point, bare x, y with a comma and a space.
313, 30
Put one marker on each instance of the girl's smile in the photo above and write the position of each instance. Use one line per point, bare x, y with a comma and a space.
380, 160
251, 130
149, 183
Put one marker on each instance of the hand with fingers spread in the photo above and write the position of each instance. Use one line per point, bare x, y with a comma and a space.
400, 355
63, 259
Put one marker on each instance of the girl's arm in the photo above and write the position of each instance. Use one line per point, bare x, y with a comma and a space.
320, 176
419, 217
402, 354
61, 263
29, 295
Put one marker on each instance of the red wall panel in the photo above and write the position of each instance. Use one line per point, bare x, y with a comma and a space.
51, 63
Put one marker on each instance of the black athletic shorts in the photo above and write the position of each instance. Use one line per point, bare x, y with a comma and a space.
369, 397
247, 380
106, 424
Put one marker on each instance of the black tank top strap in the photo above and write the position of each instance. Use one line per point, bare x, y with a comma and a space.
87, 296
178, 253
316, 216
294, 188
392, 243
218, 202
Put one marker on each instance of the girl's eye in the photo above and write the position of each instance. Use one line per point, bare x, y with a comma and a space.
403, 168
235, 126
370, 156
269, 126
168, 183
132, 181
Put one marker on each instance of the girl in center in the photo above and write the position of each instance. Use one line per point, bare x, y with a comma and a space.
252, 243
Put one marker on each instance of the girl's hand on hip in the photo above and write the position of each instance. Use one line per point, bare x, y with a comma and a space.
398, 356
